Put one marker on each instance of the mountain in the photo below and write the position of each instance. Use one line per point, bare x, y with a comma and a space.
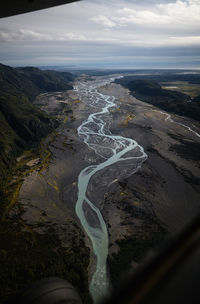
31, 81
152, 91
22, 125
33, 253
171, 101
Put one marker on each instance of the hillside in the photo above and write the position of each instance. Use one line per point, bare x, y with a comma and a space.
31, 81
171, 101
52, 245
22, 125
160, 76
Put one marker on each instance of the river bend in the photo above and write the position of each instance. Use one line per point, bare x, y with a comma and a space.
117, 158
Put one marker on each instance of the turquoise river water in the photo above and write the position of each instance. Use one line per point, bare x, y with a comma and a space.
119, 156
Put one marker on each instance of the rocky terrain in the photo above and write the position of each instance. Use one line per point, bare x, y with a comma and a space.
22, 125
163, 196
140, 211
39, 237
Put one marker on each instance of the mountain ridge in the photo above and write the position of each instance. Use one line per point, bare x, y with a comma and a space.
150, 91
22, 124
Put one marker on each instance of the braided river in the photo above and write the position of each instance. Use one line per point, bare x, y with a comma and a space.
117, 158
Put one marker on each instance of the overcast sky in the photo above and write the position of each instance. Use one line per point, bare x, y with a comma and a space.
105, 34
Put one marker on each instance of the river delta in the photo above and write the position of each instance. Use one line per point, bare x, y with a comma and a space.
122, 176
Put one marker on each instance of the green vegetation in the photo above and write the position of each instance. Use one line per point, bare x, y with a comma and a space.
185, 87
27, 256
10, 189
168, 100
32, 81
153, 90
162, 76
22, 125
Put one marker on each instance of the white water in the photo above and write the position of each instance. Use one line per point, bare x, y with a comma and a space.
119, 155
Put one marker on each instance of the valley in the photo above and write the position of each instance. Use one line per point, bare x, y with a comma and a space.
99, 152
142, 206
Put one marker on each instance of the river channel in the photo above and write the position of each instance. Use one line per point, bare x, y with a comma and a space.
117, 157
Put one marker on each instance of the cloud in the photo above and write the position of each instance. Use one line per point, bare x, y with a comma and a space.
69, 36
96, 54
22, 35
28, 35
142, 17
184, 13
104, 30
103, 20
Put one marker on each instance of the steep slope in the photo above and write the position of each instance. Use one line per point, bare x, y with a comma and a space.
56, 246
31, 81
171, 101
22, 125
